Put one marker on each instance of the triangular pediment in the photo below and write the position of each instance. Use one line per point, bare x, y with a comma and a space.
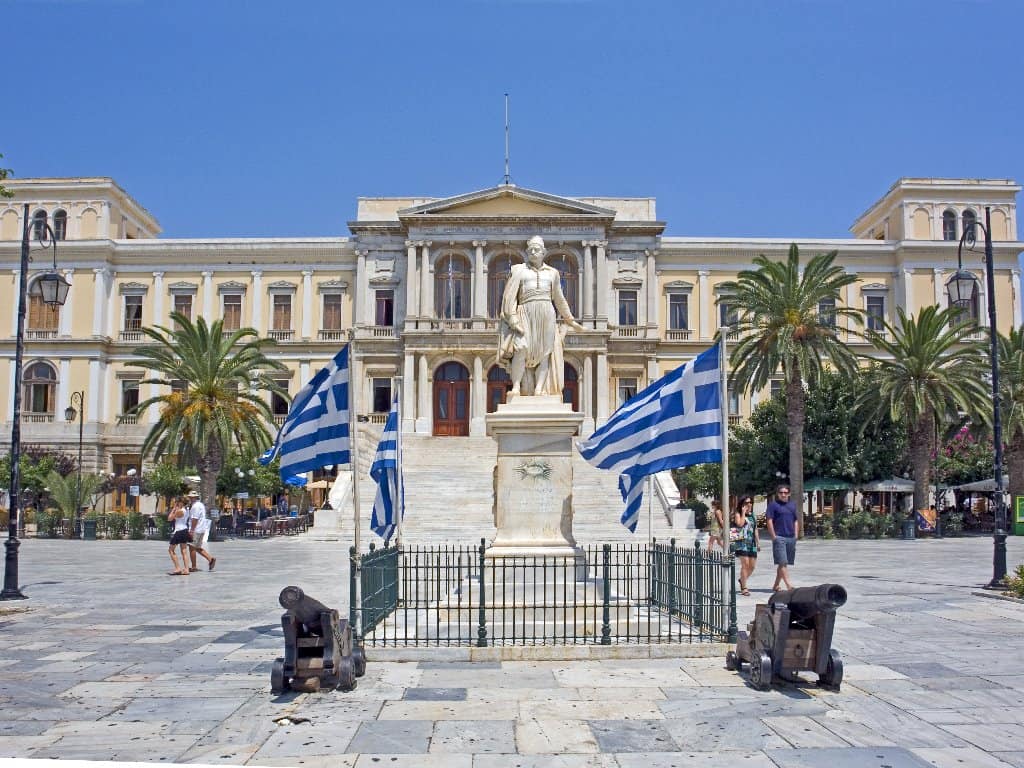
505, 200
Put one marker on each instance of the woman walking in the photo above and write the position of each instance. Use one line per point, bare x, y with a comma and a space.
179, 538
745, 541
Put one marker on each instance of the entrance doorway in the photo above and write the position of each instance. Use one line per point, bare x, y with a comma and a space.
571, 390
498, 385
451, 400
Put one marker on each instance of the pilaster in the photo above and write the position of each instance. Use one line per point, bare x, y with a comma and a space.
99, 302
409, 386
1017, 317
938, 285
257, 301
361, 311
208, 297
423, 394
478, 400
704, 292
588, 281
158, 298
307, 305
651, 278
66, 312
426, 294
602, 390
587, 396
411, 289
601, 319
479, 285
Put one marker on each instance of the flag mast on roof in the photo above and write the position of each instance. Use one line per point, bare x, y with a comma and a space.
508, 176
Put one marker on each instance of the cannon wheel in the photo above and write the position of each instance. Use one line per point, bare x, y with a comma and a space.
833, 676
732, 661
346, 674
359, 660
278, 682
761, 671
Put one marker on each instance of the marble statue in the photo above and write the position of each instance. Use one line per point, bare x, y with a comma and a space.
529, 334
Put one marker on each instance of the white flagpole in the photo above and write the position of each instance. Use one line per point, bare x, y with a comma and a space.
353, 387
399, 482
724, 396
650, 507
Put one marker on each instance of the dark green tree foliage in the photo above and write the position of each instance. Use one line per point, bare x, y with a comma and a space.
265, 481
166, 480
4, 173
36, 465
964, 458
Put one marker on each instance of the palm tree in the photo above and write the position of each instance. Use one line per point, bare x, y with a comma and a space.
1011, 397
213, 403
786, 320
928, 373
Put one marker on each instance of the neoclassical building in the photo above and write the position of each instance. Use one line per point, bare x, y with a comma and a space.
416, 287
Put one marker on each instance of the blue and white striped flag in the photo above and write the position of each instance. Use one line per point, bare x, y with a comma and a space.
316, 431
385, 471
675, 422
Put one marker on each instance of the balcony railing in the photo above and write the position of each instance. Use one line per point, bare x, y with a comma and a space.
31, 334
378, 418
130, 335
734, 419
678, 334
278, 334
128, 418
456, 324
382, 331
628, 331
332, 335
279, 418
37, 418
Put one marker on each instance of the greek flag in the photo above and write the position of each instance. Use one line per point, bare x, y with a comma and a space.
385, 471
674, 422
316, 431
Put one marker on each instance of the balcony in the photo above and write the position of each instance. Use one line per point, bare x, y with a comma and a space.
382, 331
128, 418
678, 334
279, 418
455, 324
37, 335
325, 334
278, 334
628, 332
378, 418
130, 334
37, 418
734, 419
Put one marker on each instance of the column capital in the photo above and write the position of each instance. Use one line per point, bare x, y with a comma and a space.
362, 252
307, 273
479, 243
1015, 272
256, 273
703, 272
599, 243
207, 274
69, 272
651, 251
411, 243
96, 270
158, 275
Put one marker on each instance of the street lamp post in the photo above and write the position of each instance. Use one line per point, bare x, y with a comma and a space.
69, 415
961, 288
54, 291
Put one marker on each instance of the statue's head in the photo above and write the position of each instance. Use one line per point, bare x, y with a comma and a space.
535, 250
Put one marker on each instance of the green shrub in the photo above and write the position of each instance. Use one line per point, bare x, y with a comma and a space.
136, 526
163, 526
117, 525
952, 524
47, 522
1015, 582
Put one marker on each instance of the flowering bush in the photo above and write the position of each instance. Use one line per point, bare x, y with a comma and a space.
964, 458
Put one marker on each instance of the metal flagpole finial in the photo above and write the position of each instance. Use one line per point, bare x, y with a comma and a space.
508, 175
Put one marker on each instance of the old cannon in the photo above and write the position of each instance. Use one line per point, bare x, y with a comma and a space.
793, 632
318, 648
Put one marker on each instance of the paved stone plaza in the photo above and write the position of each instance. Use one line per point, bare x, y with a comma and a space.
113, 660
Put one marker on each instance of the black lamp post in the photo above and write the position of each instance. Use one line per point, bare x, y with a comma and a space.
54, 291
69, 415
961, 288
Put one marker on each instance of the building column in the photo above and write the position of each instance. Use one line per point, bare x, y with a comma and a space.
10, 388
704, 294
479, 284
411, 294
939, 286
307, 304
423, 413
95, 388
907, 276
360, 312
477, 400
602, 390
588, 281
1017, 316
158, 298
587, 396
63, 392
426, 294
257, 301
64, 322
99, 302
409, 393
652, 291
115, 316
601, 288
16, 273
208, 296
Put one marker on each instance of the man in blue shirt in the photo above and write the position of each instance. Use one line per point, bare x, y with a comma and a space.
783, 528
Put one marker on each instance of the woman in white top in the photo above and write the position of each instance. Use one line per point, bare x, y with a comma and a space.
179, 538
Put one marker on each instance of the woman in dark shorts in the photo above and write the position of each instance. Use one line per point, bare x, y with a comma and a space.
180, 538
745, 541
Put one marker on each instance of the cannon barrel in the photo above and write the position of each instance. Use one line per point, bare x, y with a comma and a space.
805, 602
303, 607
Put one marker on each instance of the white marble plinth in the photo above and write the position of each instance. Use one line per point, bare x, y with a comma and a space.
533, 477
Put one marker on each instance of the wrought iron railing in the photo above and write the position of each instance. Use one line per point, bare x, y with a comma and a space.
455, 595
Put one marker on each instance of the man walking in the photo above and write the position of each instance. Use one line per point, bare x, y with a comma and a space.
199, 526
783, 528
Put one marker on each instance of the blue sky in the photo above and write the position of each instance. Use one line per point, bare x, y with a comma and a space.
743, 118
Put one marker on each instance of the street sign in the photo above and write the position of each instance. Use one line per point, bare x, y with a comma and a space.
242, 495
133, 490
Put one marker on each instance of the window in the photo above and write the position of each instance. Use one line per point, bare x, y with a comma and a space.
875, 310
60, 225
384, 314
949, 226
734, 400
179, 387
132, 313
727, 314
232, 311
497, 278
827, 312
627, 307
39, 225
776, 388
183, 305
678, 312
39, 388
281, 313
566, 266
969, 314
381, 395
129, 396
332, 312
452, 287
627, 389
969, 219
43, 318
278, 402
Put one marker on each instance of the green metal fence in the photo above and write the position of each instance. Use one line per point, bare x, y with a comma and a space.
455, 595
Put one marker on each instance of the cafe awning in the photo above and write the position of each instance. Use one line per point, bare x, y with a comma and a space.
892, 485
826, 484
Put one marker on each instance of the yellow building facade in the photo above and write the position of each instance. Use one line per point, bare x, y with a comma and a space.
416, 286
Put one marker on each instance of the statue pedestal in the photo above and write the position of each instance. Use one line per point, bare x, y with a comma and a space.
533, 477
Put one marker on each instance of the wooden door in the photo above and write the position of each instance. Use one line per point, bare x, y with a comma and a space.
451, 400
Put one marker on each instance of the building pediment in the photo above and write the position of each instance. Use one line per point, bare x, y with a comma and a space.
505, 200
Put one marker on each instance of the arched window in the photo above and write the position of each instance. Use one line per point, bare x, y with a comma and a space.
452, 287
60, 225
969, 219
571, 390
497, 277
43, 318
949, 226
566, 266
39, 388
39, 225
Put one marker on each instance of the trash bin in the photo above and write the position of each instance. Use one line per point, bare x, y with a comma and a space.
907, 528
89, 529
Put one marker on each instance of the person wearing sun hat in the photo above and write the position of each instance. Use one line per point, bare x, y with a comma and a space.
199, 526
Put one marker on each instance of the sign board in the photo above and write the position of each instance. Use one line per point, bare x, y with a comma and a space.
242, 495
133, 490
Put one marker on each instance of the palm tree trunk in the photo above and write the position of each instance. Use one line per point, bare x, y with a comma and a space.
1015, 467
796, 415
209, 468
921, 437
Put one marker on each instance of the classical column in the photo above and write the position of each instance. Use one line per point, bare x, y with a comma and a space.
478, 400
907, 276
602, 389
208, 296
411, 294
409, 385
587, 396
257, 301
601, 289
303, 373
14, 305
115, 307
63, 379
652, 290
851, 324
479, 284
10, 388
426, 294
1017, 316
704, 292
588, 280
938, 285
158, 298
94, 392
66, 312
423, 412
362, 293
307, 304
98, 300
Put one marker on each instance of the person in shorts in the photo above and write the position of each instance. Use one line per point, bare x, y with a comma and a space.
178, 517
743, 535
199, 527
783, 528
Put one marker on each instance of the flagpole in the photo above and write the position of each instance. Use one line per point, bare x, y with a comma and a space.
399, 481
353, 387
650, 507
724, 397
